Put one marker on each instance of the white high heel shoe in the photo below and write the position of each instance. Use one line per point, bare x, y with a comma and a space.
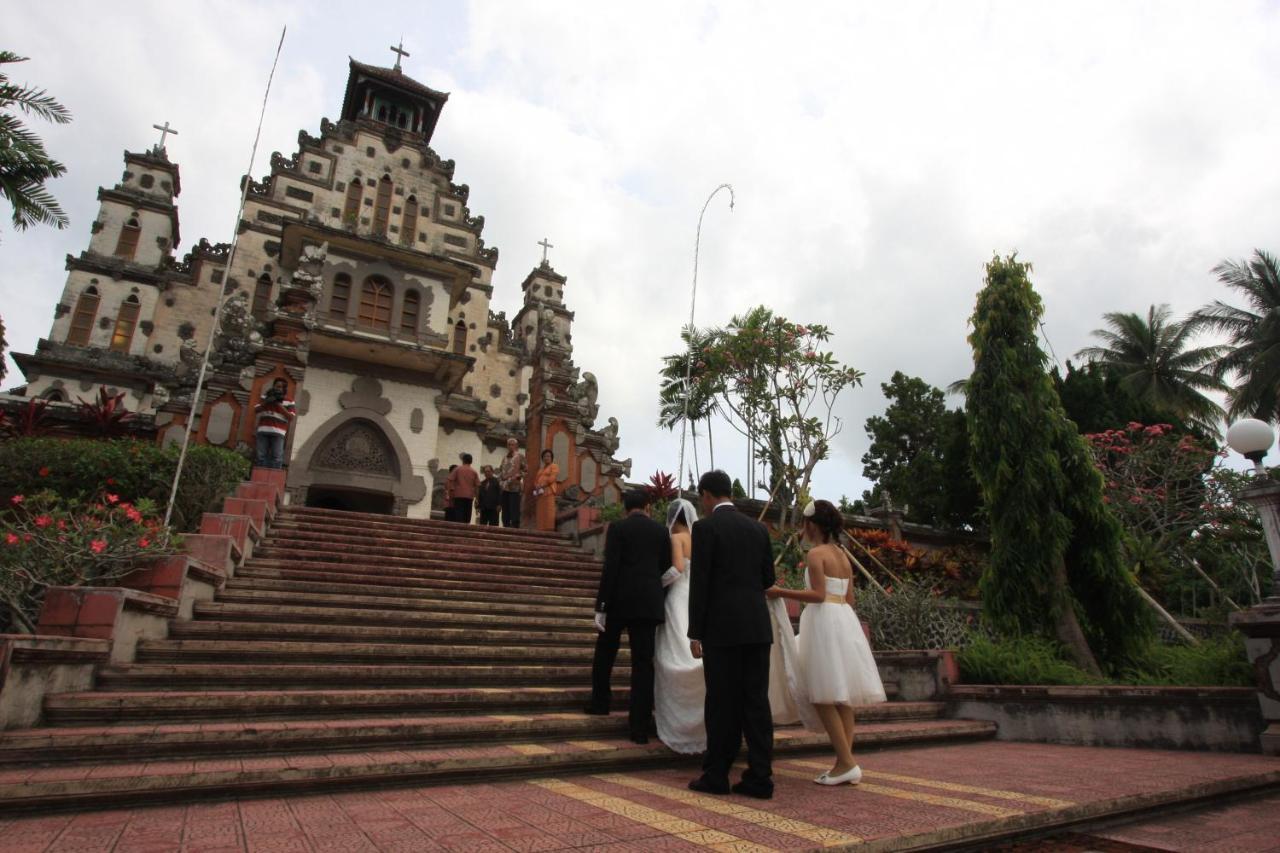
849, 777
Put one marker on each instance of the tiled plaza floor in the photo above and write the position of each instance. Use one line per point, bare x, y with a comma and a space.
908, 797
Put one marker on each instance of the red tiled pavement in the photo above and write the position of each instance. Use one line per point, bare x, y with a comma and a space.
952, 791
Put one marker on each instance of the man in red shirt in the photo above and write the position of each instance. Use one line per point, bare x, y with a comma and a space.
275, 412
462, 484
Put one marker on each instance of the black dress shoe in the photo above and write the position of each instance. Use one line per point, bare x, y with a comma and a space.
594, 711
639, 737
707, 786
754, 789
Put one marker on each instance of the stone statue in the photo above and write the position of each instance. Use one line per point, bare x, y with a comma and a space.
547, 326
610, 434
585, 393
238, 340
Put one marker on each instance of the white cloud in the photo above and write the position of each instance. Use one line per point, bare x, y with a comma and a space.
880, 155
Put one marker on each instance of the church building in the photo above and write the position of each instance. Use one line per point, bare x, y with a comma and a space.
361, 276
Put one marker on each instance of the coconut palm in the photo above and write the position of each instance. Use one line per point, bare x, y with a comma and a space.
1152, 358
702, 397
24, 164
1253, 353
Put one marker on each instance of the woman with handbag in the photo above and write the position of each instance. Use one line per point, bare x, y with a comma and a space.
544, 491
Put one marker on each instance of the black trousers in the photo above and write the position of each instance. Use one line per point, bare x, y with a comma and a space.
737, 705
489, 516
510, 509
640, 637
462, 510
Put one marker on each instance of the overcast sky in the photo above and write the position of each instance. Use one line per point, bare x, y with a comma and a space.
880, 154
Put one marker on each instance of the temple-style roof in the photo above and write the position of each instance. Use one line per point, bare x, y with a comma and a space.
366, 81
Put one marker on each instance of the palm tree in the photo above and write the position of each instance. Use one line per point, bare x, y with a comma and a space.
702, 396
24, 164
1151, 356
1253, 354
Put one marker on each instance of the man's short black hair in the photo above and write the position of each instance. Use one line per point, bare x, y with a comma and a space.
635, 499
716, 483
466, 459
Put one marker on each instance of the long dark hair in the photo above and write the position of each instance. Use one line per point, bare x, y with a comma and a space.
827, 519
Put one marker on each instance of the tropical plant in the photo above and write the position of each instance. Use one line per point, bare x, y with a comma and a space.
4, 345
47, 540
105, 416
1154, 360
1253, 352
914, 616
701, 403
661, 487
28, 420
24, 163
1056, 568
1018, 660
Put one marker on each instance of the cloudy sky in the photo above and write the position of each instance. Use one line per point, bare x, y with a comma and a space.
880, 154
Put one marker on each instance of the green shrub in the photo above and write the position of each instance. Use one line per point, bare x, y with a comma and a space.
611, 512
47, 540
132, 470
1017, 660
911, 616
1216, 662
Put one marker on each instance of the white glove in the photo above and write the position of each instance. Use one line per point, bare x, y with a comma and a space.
669, 576
600, 622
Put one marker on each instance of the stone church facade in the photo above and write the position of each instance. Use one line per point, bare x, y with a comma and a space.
362, 277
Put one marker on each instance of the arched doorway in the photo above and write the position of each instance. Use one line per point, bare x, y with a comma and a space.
355, 469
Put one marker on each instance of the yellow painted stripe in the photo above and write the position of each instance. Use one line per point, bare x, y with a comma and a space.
919, 797
509, 718
530, 749
686, 830
994, 793
591, 745
809, 832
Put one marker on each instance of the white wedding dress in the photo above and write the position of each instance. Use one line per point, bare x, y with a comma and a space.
836, 663
679, 691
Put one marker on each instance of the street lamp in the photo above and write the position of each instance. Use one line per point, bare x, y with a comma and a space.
693, 301
1252, 439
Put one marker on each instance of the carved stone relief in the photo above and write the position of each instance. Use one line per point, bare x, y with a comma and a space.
365, 393
358, 446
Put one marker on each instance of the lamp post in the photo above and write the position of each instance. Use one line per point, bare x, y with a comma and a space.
1260, 624
693, 302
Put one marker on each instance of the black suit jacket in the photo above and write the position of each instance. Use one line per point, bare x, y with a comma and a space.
637, 551
732, 564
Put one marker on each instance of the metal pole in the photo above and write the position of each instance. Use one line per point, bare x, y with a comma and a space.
222, 298
693, 302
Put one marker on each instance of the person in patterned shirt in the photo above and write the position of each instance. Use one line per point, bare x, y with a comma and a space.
275, 412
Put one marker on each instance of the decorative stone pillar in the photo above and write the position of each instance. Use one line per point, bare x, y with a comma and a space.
1261, 624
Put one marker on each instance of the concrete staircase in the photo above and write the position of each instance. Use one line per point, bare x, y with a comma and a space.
356, 650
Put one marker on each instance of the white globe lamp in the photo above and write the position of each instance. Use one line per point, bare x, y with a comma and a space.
1251, 438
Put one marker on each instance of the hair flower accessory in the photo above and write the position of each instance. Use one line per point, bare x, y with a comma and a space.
809, 509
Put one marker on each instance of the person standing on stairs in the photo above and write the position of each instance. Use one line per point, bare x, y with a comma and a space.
489, 499
462, 484
511, 475
545, 485
275, 412
637, 553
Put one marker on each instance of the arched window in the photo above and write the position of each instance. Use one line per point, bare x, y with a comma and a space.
382, 206
126, 322
340, 298
262, 297
409, 224
82, 318
375, 303
54, 395
460, 338
127, 245
409, 314
351, 207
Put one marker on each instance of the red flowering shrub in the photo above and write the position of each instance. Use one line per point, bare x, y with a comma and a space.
661, 487
46, 540
953, 571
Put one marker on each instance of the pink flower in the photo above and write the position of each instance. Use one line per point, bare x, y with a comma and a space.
43, 521
97, 546
112, 498
11, 538
62, 525
134, 515
144, 542
16, 499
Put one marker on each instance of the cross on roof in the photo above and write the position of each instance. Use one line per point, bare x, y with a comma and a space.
545, 245
164, 131
400, 53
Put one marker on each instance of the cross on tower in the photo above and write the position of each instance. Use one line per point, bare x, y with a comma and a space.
400, 53
545, 245
164, 131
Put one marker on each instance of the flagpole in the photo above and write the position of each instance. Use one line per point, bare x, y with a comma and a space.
222, 298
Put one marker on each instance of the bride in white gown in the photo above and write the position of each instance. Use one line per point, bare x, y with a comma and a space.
679, 691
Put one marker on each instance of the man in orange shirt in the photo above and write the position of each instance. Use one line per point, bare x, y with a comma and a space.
462, 484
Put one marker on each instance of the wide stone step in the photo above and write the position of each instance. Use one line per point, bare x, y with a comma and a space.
262, 651
402, 618
487, 570
137, 706
144, 781
237, 594
323, 535
378, 547
254, 575
276, 632
426, 575
340, 519
258, 737
225, 675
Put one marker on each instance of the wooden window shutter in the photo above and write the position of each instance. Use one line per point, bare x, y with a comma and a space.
82, 318
382, 207
351, 207
409, 314
127, 245
340, 297
126, 322
409, 224
375, 304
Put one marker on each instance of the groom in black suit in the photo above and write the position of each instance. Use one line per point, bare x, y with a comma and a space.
637, 552
729, 628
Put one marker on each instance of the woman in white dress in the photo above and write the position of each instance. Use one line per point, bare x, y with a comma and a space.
679, 689
837, 668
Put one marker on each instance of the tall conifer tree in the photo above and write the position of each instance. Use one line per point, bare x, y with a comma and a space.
1056, 565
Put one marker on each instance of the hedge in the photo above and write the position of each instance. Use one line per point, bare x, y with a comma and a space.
82, 468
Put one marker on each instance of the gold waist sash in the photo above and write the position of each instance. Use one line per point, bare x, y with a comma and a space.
834, 599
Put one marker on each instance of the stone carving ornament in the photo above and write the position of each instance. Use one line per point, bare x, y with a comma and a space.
360, 447
610, 434
584, 394
238, 341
